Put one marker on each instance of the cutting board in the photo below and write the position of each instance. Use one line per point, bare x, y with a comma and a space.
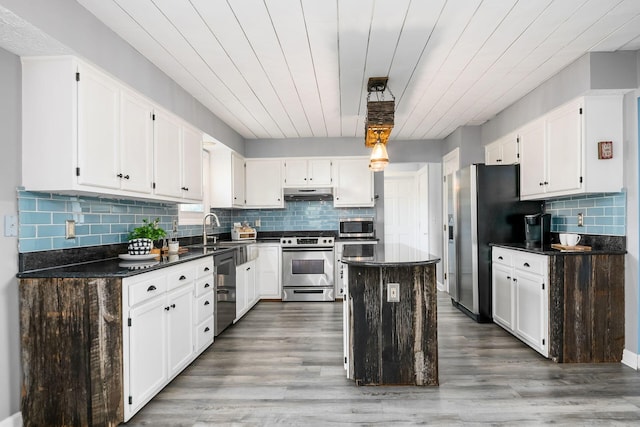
565, 248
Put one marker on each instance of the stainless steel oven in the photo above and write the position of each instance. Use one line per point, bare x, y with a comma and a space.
308, 269
360, 227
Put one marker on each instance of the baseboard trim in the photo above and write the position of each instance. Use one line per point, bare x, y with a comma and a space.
14, 420
630, 359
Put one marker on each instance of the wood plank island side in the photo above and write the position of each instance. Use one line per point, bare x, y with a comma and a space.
71, 345
393, 343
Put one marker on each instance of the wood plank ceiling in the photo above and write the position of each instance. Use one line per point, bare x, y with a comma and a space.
298, 68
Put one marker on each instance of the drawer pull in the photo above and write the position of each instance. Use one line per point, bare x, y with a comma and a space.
206, 269
207, 329
206, 285
500, 257
182, 277
151, 288
526, 264
207, 302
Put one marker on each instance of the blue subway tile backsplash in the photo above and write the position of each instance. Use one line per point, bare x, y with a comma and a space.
101, 221
603, 213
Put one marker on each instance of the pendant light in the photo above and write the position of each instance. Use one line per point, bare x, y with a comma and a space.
379, 157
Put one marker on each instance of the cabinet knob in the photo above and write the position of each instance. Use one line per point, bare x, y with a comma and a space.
126, 177
541, 184
508, 277
173, 306
119, 175
167, 308
182, 277
185, 188
151, 288
546, 183
526, 264
498, 160
500, 257
515, 280
206, 269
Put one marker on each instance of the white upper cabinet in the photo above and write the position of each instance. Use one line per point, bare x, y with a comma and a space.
503, 151
560, 151
136, 143
307, 172
85, 132
227, 178
177, 159
354, 182
263, 183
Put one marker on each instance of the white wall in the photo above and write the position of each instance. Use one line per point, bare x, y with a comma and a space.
10, 166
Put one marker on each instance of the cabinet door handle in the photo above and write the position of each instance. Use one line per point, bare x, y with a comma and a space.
248, 268
546, 183
508, 277
526, 264
126, 177
541, 184
207, 302
206, 285
173, 306
206, 269
515, 279
500, 257
207, 329
185, 188
119, 175
167, 308
182, 277
151, 288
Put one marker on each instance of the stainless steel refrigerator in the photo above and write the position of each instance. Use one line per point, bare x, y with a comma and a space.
484, 207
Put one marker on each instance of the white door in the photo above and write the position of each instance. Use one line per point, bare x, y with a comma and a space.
450, 164
400, 219
180, 328
191, 164
295, 172
502, 301
136, 143
147, 351
263, 183
530, 306
354, 183
98, 123
268, 263
533, 176
423, 197
319, 171
167, 155
564, 142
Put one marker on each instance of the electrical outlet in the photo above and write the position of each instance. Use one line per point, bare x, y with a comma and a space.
10, 225
175, 226
70, 231
257, 222
393, 292
580, 220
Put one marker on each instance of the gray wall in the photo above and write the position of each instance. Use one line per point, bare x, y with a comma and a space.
10, 106
468, 140
399, 151
72, 25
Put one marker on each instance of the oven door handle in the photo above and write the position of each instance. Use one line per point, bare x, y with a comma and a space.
302, 249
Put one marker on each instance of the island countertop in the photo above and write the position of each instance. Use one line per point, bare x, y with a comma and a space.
394, 255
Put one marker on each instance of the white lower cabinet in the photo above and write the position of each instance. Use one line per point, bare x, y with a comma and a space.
520, 296
161, 335
246, 290
268, 257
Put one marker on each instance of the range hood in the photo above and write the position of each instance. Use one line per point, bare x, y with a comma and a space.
321, 193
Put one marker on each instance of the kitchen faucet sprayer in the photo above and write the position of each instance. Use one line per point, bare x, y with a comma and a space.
204, 227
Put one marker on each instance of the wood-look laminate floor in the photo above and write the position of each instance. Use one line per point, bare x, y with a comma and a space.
282, 364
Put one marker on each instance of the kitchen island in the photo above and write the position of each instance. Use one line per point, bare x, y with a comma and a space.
390, 322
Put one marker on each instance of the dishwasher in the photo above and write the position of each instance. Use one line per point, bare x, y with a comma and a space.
224, 308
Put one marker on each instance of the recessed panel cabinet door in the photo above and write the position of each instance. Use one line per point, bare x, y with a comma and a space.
263, 183
98, 123
502, 279
531, 310
192, 163
167, 155
532, 159
147, 351
564, 142
180, 328
136, 143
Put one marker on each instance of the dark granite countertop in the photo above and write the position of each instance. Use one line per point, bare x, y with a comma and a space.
406, 256
548, 250
116, 267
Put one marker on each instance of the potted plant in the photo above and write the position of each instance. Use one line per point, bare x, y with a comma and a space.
141, 238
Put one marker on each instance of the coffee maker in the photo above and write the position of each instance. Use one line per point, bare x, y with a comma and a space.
537, 230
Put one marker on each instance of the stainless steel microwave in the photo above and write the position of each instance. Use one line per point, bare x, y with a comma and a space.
362, 227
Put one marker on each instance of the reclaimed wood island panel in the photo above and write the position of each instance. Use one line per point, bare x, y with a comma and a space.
393, 343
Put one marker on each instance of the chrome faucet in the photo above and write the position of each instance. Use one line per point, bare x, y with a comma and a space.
204, 227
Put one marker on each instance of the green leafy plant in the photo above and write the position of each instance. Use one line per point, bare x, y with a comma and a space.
148, 230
